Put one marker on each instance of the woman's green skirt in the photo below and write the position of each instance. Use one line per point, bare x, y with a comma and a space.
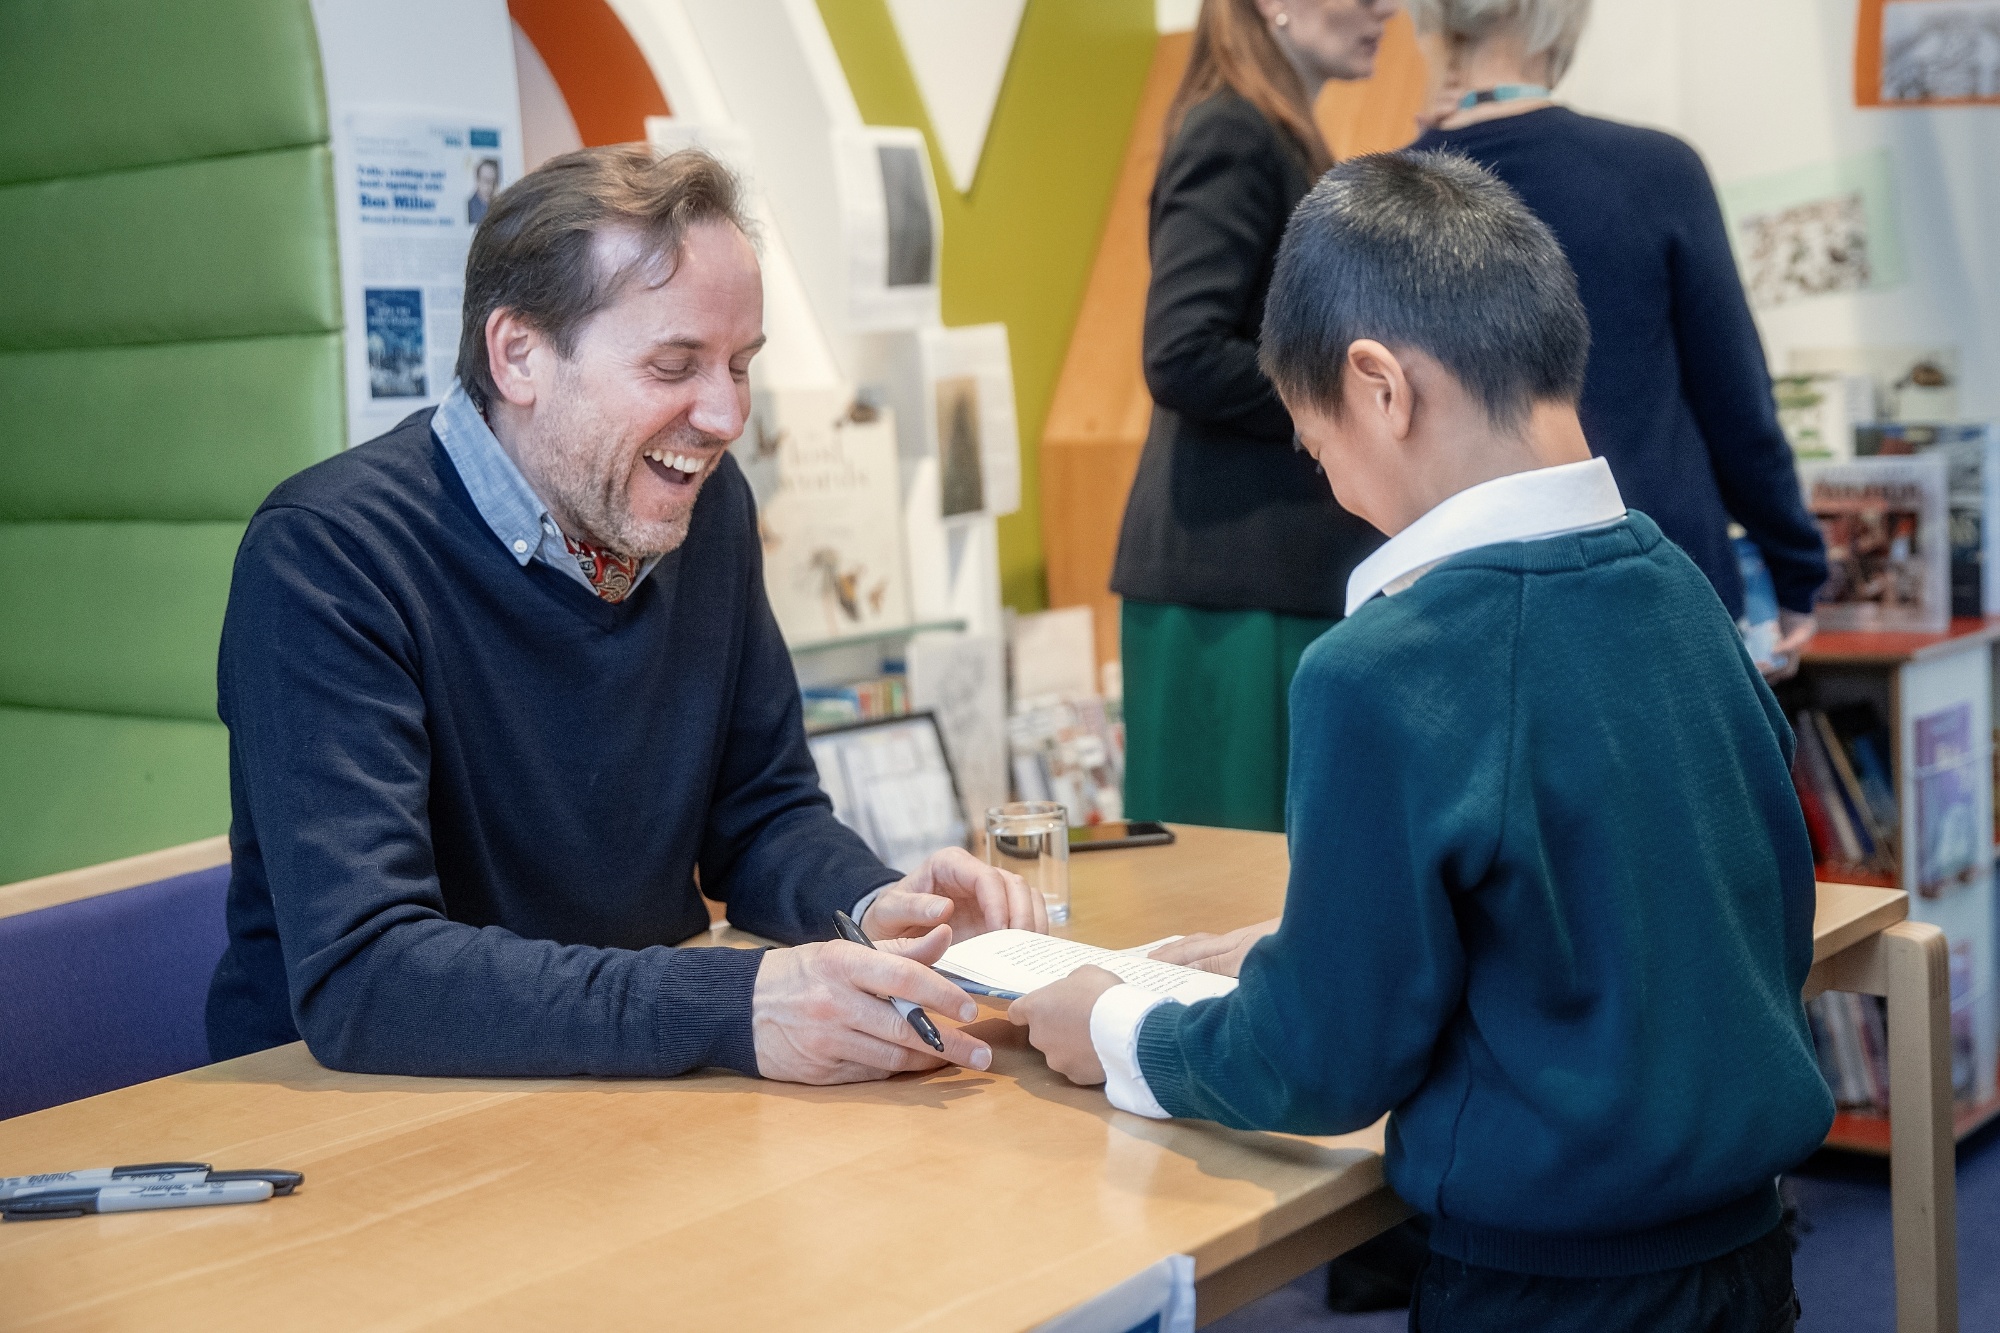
1206, 714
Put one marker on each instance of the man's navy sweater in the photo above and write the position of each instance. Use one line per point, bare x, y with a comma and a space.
470, 799
1551, 903
1677, 397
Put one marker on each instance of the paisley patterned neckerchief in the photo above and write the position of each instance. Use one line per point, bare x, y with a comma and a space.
611, 574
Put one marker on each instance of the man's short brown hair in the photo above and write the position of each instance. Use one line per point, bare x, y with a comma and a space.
535, 252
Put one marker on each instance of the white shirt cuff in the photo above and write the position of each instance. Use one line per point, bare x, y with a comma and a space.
867, 901
1115, 1021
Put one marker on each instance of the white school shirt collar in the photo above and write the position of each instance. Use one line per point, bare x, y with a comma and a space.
1519, 507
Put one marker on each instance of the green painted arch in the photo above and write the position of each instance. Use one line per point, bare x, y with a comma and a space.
1018, 248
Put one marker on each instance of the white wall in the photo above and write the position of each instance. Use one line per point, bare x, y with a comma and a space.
1768, 87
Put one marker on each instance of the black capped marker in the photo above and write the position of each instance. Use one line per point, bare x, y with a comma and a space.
915, 1014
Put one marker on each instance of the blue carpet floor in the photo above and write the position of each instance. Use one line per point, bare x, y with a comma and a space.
1844, 1267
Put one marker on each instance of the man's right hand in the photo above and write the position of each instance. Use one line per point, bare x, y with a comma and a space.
817, 1014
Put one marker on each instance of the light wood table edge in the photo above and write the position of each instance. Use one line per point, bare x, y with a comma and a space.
68, 886
1909, 963
1279, 1260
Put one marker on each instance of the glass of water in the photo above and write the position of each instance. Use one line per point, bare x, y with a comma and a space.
1031, 838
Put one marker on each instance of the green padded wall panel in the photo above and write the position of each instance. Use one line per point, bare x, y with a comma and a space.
229, 247
175, 431
120, 617
95, 85
79, 789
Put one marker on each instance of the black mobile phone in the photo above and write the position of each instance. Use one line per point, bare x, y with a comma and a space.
1119, 833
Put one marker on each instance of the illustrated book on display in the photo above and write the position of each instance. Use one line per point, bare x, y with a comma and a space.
1971, 450
1886, 526
1010, 963
829, 514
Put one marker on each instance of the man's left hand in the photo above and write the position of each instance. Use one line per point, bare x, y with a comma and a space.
953, 886
1058, 1021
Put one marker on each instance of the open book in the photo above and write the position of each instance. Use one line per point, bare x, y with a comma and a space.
1010, 963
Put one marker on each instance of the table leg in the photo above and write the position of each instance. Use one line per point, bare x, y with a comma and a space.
1916, 967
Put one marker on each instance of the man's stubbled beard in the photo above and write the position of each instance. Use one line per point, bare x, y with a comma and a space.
587, 468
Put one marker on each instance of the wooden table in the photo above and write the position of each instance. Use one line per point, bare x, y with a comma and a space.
1863, 942
960, 1200
716, 1201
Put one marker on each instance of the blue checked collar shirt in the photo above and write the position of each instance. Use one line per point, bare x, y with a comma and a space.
503, 496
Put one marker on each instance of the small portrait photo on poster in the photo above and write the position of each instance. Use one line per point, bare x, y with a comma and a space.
485, 184
395, 342
960, 455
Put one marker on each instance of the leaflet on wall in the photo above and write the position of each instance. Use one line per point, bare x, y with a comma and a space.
823, 469
891, 225
413, 186
969, 376
1888, 547
1816, 230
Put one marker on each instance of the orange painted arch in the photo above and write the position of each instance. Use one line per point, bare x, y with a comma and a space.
599, 68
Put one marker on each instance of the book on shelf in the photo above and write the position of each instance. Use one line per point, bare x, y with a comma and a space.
1851, 818
857, 701
1851, 1039
1886, 525
1971, 450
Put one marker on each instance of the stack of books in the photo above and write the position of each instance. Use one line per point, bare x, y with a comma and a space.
1852, 1036
1071, 751
857, 701
1842, 773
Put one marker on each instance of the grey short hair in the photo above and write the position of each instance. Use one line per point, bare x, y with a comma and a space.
1551, 26
1427, 251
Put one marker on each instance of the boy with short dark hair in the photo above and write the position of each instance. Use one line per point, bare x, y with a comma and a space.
1551, 895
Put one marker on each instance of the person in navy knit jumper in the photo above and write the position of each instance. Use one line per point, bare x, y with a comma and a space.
506, 701
1551, 896
1677, 396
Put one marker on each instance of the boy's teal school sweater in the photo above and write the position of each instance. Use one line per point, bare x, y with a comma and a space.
1550, 905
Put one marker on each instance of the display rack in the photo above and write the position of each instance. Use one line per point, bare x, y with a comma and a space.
1908, 676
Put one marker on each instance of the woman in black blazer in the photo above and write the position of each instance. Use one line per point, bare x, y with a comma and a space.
1233, 555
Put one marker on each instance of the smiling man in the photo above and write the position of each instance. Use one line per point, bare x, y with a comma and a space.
502, 689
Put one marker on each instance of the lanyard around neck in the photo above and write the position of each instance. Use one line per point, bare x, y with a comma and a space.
1506, 92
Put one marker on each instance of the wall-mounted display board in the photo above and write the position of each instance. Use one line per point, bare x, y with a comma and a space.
412, 186
1927, 53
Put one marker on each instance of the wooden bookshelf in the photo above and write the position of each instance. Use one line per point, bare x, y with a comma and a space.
1858, 648
1908, 676
1868, 1131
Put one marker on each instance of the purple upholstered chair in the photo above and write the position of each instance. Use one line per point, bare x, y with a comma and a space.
107, 991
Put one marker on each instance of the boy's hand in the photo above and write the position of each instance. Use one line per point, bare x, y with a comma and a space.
1058, 1021
1220, 954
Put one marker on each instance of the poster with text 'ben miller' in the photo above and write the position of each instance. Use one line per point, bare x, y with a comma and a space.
413, 187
